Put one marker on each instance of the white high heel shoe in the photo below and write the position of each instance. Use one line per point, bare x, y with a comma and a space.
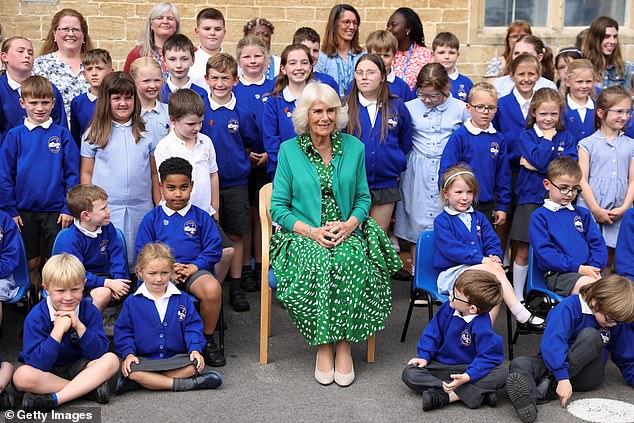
325, 378
344, 379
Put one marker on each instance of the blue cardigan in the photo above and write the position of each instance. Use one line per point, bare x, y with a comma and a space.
277, 127
510, 121
449, 339
624, 254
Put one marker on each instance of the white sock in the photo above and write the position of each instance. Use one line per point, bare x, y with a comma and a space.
522, 314
519, 280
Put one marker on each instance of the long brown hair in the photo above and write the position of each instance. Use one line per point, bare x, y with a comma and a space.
281, 81
541, 96
608, 98
329, 46
50, 45
592, 47
382, 102
100, 126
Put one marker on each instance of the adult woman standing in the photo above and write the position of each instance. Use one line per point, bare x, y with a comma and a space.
332, 262
412, 55
340, 49
162, 22
60, 57
498, 66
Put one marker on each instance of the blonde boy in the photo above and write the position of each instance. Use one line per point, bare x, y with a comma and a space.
384, 44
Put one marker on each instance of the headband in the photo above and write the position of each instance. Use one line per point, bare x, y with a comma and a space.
462, 172
570, 50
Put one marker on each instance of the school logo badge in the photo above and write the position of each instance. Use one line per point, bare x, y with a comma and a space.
392, 122
103, 246
54, 145
465, 338
182, 312
479, 230
287, 112
265, 99
190, 228
257, 96
605, 335
560, 148
233, 126
578, 223
494, 149
166, 222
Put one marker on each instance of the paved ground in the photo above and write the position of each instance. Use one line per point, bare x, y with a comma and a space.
285, 391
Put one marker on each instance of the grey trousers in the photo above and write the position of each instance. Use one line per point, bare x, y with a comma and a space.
585, 364
435, 373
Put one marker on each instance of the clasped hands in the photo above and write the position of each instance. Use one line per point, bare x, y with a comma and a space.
184, 271
332, 233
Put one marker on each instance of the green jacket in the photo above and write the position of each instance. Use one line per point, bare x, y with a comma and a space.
297, 192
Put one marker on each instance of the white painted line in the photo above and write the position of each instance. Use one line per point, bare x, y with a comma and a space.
600, 410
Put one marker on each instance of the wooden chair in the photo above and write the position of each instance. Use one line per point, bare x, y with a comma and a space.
266, 290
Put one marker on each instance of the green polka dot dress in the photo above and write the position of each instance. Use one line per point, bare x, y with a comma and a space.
339, 293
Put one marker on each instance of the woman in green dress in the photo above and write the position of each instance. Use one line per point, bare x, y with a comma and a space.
332, 262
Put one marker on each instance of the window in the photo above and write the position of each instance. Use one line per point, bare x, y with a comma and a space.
503, 12
583, 12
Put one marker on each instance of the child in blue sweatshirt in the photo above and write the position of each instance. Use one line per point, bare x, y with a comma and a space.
17, 57
384, 44
97, 64
163, 353
478, 145
465, 240
383, 123
9, 258
459, 354
39, 163
192, 234
178, 53
446, 48
65, 350
624, 253
94, 241
566, 241
232, 128
544, 140
579, 83
580, 332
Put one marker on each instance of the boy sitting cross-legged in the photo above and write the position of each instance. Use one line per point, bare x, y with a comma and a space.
459, 354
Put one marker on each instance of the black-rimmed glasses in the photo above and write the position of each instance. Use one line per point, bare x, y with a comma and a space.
566, 191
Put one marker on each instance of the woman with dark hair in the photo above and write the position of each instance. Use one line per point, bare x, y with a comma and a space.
412, 55
264, 29
60, 58
340, 49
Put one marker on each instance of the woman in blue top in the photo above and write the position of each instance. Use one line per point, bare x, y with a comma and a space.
383, 123
340, 49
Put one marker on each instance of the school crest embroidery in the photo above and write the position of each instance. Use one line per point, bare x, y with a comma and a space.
465, 338
182, 312
605, 335
257, 96
54, 145
233, 126
560, 149
392, 122
578, 223
103, 246
265, 99
166, 222
190, 228
494, 149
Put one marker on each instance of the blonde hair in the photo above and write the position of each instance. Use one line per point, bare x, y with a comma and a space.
63, 271
142, 62
380, 41
253, 41
612, 295
315, 92
483, 87
152, 252
578, 65
452, 174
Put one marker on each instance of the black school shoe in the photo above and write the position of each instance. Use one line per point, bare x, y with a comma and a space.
434, 398
212, 354
7, 399
34, 402
207, 380
238, 301
248, 282
518, 390
101, 394
530, 327
490, 399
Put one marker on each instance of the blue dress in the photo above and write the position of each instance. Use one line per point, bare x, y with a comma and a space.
420, 199
608, 175
122, 168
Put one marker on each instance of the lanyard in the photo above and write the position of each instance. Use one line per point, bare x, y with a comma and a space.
409, 53
343, 73
270, 72
159, 59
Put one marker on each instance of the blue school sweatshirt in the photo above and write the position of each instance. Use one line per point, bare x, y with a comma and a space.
232, 129
572, 122
102, 254
460, 87
565, 239
277, 127
385, 160
41, 351
81, 110
37, 168
399, 88
12, 114
563, 325
252, 97
539, 152
510, 121
9, 246
139, 330
624, 253
191, 233
485, 154
166, 91
326, 79
456, 245
450, 339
